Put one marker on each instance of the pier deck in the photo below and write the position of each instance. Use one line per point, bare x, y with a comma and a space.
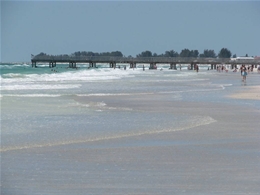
112, 61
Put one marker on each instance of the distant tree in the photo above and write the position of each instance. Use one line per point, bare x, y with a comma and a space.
113, 53
83, 53
145, 54
171, 53
234, 56
208, 54
104, 54
224, 53
90, 53
41, 54
189, 53
116, 53
246, 55
95, 54
185, 53
77, 53
202, 55
158, 55
194, 53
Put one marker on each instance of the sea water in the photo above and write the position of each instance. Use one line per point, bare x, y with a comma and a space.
41, 106
47, 107
53, 106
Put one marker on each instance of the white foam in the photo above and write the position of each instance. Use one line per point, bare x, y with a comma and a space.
8, 66
77, 104
112, 94
93, 104
79, 75
103, 94
226, 85
30, 95
38, 87
13, 75
82, 75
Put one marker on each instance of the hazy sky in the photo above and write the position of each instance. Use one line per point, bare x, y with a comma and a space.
63, 27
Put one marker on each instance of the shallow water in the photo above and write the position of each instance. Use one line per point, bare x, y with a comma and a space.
47, 108
104, 131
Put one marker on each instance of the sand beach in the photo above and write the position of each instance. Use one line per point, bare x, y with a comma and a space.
248, 93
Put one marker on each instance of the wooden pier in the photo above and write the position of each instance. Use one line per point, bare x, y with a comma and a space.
153, 61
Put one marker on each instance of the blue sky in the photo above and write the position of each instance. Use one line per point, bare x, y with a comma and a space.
63, 27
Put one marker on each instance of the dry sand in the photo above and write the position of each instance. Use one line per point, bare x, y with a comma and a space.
252, 92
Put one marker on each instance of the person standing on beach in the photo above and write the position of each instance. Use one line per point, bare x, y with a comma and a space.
242, 68
197, 68
244, 74
252, 68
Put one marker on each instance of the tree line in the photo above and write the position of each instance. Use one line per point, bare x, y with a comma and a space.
223, 53
84, 53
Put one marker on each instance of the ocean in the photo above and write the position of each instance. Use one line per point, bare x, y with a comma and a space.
48, 110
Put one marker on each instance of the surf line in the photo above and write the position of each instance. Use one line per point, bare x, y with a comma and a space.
208, 120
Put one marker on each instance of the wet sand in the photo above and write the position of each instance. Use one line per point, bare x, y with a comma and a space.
218, 158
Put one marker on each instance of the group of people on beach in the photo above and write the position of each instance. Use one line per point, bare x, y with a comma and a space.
196, 67
243, 69
222, 68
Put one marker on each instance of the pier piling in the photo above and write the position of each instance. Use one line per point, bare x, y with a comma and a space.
132, 65
173, 66
92, 64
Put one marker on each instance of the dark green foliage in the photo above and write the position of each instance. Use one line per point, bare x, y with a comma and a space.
171, 53
224, 53
42, 54
90, 53
208, 54
189, 53
145, 54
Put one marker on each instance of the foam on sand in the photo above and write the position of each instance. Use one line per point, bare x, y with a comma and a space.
196, 122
